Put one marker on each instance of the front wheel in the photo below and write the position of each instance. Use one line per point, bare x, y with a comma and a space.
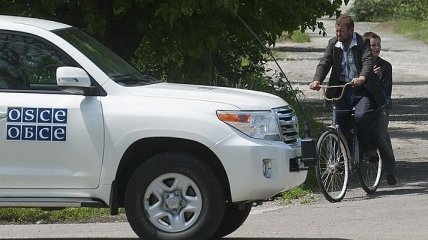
174, 196
332, 166
369, 174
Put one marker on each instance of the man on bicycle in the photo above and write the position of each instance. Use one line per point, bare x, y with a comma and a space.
350, 59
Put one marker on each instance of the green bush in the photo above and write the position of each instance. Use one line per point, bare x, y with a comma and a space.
412, 9
377, 10
299, 37
384, 10
408, 17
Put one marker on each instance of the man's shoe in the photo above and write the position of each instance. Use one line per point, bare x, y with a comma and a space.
390, 179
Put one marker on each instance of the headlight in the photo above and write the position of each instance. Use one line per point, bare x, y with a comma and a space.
259, 125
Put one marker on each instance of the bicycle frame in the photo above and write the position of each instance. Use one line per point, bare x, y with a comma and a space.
354, 154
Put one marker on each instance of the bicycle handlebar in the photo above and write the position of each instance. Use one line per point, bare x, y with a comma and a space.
338, 86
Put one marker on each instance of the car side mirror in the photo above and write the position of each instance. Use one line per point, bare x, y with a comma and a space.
72, 79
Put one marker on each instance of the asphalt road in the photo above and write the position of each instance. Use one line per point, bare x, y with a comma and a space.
399, 212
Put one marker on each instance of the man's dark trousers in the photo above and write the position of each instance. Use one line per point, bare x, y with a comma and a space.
383, 141
365, 111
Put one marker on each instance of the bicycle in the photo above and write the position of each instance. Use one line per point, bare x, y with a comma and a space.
336, 159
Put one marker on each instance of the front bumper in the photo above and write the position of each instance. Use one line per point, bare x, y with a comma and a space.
244, 160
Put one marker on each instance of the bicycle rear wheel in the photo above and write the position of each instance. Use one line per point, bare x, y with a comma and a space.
369, 174
332, 167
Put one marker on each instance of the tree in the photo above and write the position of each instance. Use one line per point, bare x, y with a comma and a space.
188, 41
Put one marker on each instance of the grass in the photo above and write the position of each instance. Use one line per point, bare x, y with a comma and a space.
413, 29
299, 195
37, 215
304, 193
296, 36
299, 37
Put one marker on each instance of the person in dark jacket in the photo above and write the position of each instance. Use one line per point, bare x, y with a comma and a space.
350, 59
383, 72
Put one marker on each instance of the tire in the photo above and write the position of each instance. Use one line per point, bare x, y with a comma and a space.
174, 196
234, 217
369, 174
332, 166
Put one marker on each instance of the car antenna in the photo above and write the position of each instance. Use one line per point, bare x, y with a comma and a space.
308, 144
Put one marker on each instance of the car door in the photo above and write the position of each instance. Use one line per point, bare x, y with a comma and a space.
48, 138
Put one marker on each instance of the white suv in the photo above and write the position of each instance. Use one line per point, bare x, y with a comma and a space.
81, 127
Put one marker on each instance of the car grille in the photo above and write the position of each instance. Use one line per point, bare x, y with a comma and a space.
289, 124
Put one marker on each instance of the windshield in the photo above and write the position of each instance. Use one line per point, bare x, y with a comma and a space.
114, 66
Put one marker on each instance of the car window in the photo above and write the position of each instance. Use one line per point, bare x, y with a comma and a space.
29, 63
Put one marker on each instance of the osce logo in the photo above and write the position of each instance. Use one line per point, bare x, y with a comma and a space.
36, 124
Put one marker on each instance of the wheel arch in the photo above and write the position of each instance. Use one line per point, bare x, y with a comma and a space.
143, 149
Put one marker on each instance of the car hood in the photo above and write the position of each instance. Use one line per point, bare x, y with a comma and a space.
242, 99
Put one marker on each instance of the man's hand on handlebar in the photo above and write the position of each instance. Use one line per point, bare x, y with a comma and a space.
358, 81
315, 85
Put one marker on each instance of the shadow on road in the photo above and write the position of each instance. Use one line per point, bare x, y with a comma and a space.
244, 238
412, 180
77, 238
283, 238
411, 83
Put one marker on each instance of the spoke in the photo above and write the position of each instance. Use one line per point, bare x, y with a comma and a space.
193, 202
330, 178
178, 221
157, 188
179, 183
323, 157
163, 185
156, 212
341, 178
339, 182
331, 150
370, 173
325, 180
324, 174
335, 183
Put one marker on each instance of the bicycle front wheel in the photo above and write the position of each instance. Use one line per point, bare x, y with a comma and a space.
369, 174
332, 167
